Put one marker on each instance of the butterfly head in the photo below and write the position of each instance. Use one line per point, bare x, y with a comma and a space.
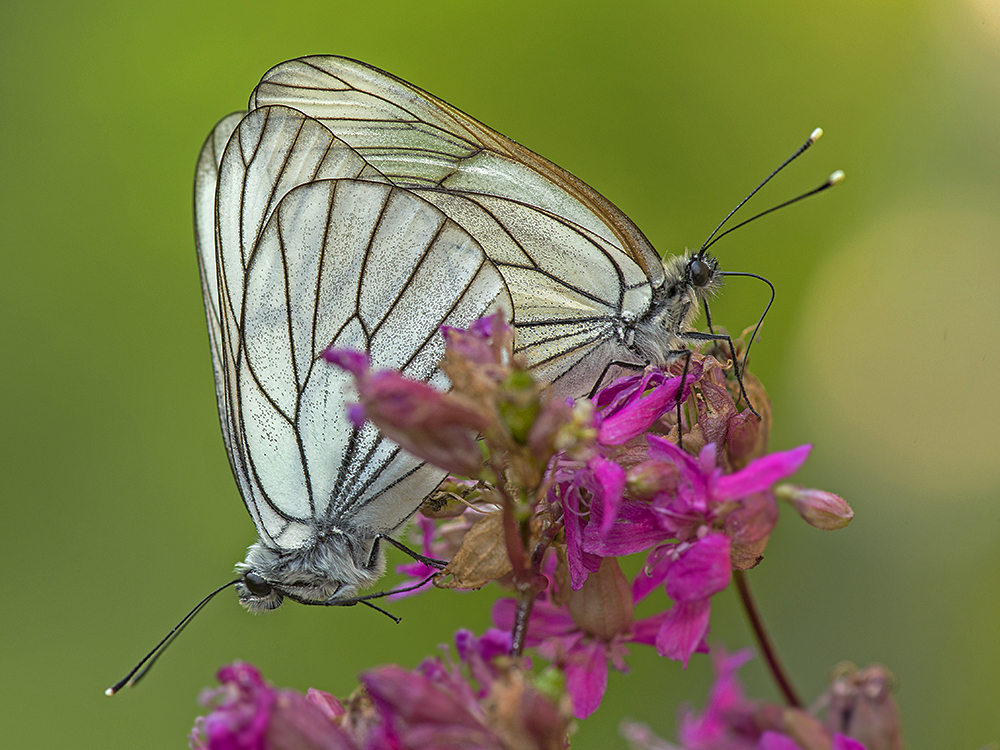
702, 275
323, 572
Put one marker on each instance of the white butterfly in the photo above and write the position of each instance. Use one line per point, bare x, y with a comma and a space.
349, 208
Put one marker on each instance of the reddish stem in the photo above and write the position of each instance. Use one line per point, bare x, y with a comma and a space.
764, 640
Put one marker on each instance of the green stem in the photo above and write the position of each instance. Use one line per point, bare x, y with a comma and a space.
764, 640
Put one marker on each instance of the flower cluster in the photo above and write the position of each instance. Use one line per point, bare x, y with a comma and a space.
587, 482
545, 495
860, 715
483, 702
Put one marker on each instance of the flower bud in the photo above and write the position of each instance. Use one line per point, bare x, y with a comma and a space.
860, 705
603, 606
824, 510
298, 723
440, 428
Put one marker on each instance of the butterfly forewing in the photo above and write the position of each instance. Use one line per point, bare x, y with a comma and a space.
423, 140
573, 262
419, 140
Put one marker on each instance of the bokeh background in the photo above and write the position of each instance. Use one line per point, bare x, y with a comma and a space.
118, 508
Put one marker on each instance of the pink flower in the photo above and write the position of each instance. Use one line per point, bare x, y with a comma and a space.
692, 573
586, 635
702, 524
436, 706
250, 714
242, 711
482, 703
699, 564
626, 409
731, 721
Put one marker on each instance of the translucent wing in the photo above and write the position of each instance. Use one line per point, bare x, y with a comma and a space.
303, 245
575, 265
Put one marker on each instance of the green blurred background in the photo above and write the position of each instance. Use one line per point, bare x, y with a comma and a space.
119, 510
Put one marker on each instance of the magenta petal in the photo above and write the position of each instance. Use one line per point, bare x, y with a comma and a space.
611, 399
646, 629
661, 449
491, 644
354, 362
761, 473
842, 742
636, 529
639, 415
503, 613
651, 576
726, 709
245, 705
683, 631
608, 484
580, 562
700, 570
774, 741
586, 677
491, 325
727, 692
356, 415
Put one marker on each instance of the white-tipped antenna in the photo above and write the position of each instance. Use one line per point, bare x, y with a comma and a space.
813, 137
832, 180
141, 669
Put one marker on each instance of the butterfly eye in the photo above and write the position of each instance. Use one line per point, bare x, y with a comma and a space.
256, 585
698, 272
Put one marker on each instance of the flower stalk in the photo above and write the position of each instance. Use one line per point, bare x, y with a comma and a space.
763, 639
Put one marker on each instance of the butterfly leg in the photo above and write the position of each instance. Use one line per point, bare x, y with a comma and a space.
431, 561
613, 363
699, 336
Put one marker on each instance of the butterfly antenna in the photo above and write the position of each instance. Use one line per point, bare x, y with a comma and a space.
813, 137
746, 354
832, 180
141, 669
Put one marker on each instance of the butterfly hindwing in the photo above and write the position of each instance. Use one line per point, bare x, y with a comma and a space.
313, 248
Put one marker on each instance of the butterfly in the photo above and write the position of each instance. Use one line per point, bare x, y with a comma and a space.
348, 208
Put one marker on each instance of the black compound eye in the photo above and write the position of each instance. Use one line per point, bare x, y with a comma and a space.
698, 272
256, 585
